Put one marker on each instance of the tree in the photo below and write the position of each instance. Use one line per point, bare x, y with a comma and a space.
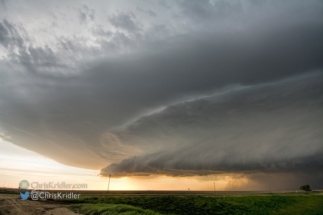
305, 187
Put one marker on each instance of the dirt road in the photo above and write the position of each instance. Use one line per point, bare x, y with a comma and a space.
13, 205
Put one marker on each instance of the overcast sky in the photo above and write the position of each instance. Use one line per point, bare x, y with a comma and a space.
177, 88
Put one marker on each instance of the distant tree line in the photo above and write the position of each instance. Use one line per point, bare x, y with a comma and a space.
305, 187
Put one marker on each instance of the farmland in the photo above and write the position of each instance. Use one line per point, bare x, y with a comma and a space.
202, 204
169, 202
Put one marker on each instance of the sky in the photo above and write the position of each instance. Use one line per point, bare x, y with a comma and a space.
162, 94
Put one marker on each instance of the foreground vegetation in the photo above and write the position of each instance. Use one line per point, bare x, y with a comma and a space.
191, 205
110, 209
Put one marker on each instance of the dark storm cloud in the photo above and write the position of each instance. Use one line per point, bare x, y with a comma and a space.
125, 21
3, 34
284, 180
86, 14
149, 12
271, 128
192, 67
33, 59
272, 139
9, 36
40, 59
3, 3
199, 10
74, 117
100, 32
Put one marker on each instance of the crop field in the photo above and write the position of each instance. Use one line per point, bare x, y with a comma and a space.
201, 204
177, 203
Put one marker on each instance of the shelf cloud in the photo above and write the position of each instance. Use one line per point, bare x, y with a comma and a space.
176, 88
273, 127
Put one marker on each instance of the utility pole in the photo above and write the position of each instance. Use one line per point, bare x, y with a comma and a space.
214, 186
109, 182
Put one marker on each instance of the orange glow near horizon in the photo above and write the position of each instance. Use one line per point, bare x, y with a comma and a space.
18, 164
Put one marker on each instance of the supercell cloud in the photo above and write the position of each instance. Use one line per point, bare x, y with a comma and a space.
176, 88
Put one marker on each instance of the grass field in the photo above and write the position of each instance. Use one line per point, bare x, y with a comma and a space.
185, 203
303, 204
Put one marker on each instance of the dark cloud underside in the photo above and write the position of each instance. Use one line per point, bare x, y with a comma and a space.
84, 86
270, 128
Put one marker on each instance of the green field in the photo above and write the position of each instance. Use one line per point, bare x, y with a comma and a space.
305, 204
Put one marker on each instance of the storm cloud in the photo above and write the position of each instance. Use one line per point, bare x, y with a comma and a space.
275, 127
197, 88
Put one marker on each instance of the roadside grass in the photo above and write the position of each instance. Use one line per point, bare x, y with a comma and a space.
110, 209
203, 205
